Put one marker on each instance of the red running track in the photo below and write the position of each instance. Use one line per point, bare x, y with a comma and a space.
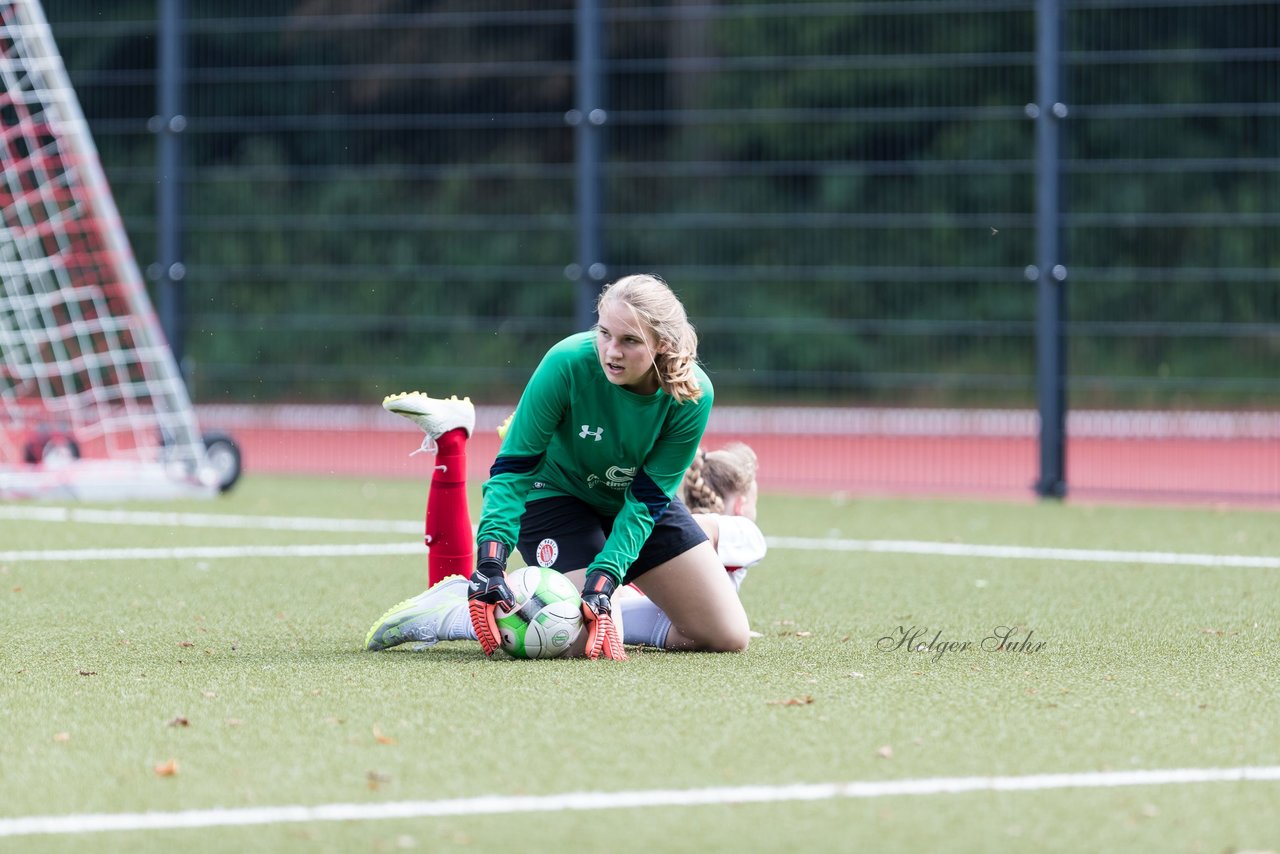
1242, 471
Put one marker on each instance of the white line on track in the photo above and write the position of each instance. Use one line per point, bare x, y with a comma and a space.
580, 801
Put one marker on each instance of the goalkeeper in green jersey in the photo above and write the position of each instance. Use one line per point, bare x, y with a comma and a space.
586, 482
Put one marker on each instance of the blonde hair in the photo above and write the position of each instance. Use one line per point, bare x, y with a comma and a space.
657, 307
713, 477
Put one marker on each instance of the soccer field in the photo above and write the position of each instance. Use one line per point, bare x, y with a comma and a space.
191, 676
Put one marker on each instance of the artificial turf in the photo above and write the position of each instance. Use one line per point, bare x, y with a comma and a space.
245, 676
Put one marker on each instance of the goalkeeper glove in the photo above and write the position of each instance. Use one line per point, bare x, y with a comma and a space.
488, 590
602, 634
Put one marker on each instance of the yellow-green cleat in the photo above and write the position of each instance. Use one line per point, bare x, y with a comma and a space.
437, 614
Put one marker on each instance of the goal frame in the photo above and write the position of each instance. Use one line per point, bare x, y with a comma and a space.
85, 364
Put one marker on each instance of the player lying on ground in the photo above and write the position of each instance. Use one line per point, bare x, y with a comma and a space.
586, 476
720, 491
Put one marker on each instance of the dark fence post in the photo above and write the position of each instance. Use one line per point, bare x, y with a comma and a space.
168, 125
1050, 271
588, 119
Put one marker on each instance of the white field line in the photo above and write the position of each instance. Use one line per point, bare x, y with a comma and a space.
215, 552
305, 523
588, 801
205, 520
917, 547
910, 547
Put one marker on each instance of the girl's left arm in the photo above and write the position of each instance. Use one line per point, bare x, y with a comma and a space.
655, 485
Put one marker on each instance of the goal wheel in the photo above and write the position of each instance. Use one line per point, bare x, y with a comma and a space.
223, 456
51, 449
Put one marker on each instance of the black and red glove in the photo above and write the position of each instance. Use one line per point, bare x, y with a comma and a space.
597, 607
488, 590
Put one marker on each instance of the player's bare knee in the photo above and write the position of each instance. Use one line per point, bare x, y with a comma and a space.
729, 640
731, 645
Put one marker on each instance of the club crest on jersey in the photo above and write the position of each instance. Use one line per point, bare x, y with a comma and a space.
548, 552
588, 433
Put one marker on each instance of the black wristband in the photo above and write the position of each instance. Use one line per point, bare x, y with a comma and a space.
491, 558
599, 581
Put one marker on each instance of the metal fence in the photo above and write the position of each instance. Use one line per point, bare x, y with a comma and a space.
356, 198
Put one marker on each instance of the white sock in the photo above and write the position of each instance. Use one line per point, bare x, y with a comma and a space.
644, 622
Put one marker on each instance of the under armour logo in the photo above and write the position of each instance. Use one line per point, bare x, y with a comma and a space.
598, 433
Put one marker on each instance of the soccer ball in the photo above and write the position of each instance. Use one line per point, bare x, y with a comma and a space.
547, 616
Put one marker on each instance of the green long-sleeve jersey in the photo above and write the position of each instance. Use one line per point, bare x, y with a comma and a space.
575, 433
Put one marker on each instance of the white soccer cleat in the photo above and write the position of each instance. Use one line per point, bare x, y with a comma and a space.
426, 618
435, 416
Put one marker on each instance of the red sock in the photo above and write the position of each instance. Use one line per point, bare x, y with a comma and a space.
448, 524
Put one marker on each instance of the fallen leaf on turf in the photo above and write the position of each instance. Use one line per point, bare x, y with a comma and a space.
794, 701
167, 769
180, 721
381, 738
62, 737
804, 634
885, 752
374, 779
185, 643
88, 673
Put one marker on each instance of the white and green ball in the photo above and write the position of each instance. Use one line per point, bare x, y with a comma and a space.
547, 616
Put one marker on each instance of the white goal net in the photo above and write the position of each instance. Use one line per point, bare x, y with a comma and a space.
92, 404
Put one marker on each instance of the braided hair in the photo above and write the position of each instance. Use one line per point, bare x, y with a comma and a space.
716, 476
